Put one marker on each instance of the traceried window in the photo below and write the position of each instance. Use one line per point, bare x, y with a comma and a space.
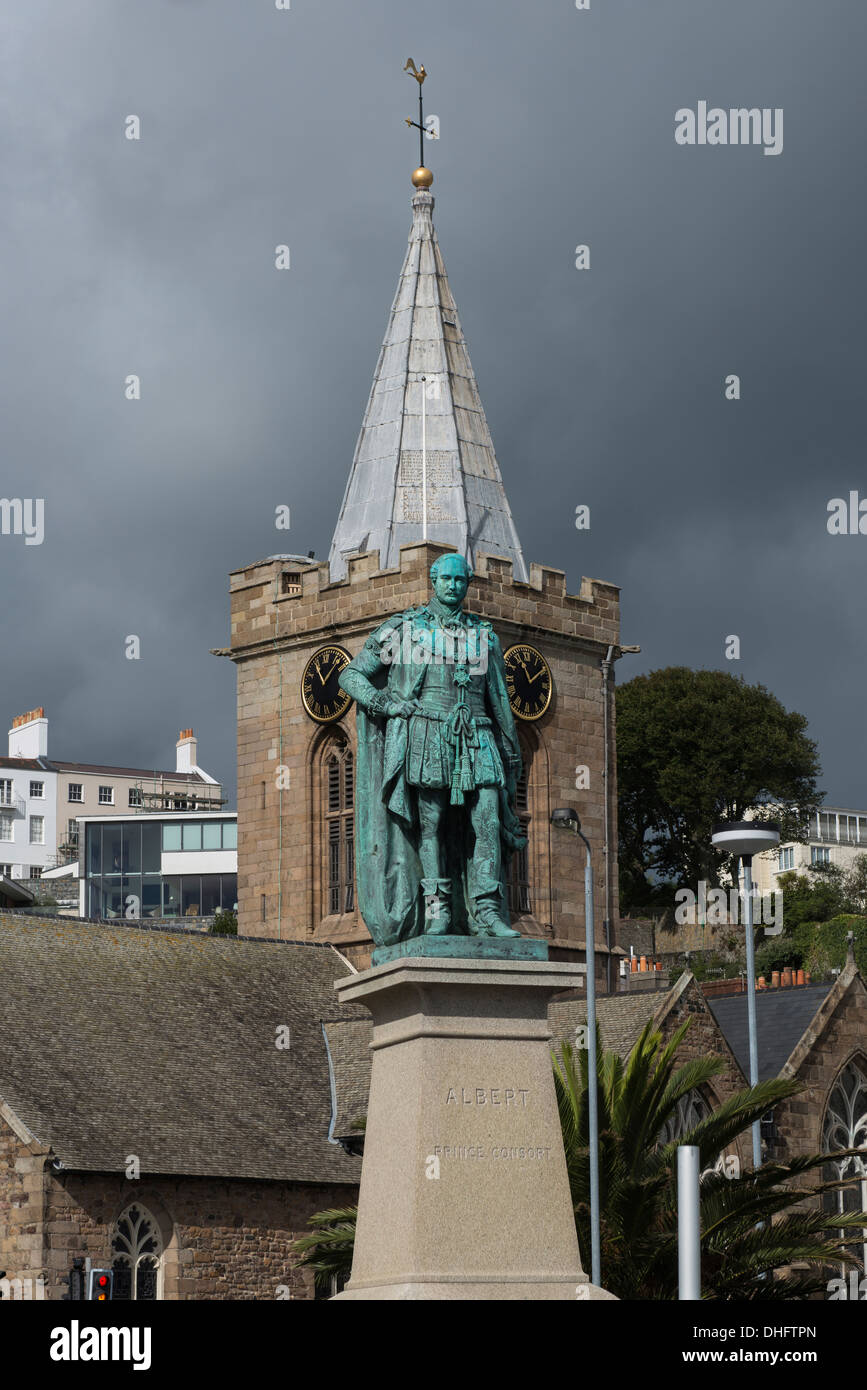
518, 877
845, 1127
338, 792
137, 1251
691, 1110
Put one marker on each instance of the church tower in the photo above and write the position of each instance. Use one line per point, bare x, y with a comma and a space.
424, 480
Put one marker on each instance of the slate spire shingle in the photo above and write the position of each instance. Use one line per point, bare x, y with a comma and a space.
466, 501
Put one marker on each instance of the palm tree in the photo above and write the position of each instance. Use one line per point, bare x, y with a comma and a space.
754, 1227
328, 1249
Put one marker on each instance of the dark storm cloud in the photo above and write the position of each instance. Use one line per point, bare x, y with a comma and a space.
602, 387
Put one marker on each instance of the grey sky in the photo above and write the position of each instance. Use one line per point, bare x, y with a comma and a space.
602, 387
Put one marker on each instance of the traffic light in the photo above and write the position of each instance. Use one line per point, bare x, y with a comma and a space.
75, 1280
99, 1285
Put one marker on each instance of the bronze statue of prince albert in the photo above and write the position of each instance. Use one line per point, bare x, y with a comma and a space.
438, 763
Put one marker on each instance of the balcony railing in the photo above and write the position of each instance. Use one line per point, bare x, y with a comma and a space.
9, 801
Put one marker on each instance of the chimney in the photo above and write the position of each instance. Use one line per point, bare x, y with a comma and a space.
187, 748
28, 737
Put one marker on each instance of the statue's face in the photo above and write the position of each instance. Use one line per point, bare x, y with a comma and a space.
452, 582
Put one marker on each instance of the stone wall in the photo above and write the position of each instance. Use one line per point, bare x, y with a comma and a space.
704, 1038
223, 1238
281, 860
837, 1034
22, 1184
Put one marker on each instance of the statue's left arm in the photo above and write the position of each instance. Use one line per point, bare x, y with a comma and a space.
498, 697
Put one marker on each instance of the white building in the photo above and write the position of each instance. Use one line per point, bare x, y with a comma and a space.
28, 809
42, 798
837, 836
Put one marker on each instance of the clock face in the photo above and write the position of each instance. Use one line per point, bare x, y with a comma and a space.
529, 681
323, 699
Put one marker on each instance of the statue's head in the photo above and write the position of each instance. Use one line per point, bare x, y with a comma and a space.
450, 576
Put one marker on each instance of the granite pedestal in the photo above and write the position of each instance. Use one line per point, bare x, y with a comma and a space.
464, 1191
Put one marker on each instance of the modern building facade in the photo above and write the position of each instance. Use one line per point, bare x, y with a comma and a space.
158, 865
42, 798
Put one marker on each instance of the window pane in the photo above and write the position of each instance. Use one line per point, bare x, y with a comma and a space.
132, 849
111, 849
132, 889
191, 897
94, 855
150, 899
230, 834
210, 894
193, 836
112, 898
229, 892
150, 848
171, 837
171, 896
211, 835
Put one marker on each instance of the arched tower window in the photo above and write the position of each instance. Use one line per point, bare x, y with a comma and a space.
845, 1127
338, 802
137, 1251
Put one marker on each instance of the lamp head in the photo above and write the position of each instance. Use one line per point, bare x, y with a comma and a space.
745, 837
565, 818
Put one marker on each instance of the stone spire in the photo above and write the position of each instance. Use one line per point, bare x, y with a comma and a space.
466, 502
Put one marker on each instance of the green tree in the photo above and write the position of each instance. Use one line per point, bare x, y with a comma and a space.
753, 1226
225, 923
693, 748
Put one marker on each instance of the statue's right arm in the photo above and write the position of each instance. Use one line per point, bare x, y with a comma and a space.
355, 680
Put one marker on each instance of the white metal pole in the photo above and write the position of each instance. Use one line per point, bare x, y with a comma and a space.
423, 459
747, 860
688, 1224
592, 1100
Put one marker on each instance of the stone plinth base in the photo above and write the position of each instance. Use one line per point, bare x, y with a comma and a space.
464, 1191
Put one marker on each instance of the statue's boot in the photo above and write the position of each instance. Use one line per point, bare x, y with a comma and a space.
437, 906
488, 920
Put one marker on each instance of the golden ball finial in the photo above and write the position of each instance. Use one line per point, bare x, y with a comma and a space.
422, 178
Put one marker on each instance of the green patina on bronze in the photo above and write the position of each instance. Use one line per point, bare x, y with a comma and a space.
438, 762
464, 947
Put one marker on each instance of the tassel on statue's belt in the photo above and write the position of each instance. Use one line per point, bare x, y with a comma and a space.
462, 732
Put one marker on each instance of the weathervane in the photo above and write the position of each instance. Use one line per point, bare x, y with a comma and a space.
422, 178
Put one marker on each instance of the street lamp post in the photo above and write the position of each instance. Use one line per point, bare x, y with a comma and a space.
564, 818
745, 838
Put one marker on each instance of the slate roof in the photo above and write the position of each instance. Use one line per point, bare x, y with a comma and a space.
57, 764
467, 505
118, 1039
621, 1018
782, 1018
